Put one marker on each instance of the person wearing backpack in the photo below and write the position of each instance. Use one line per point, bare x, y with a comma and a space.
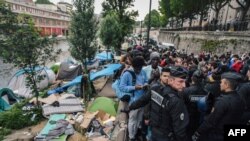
134, 91
168, 116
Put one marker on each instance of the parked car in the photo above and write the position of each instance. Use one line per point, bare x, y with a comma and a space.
164, 45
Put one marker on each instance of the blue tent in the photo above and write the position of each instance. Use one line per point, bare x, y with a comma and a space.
75, 81
104, 56
109, 70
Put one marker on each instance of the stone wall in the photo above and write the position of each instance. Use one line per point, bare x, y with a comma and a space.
8, 70
193, 41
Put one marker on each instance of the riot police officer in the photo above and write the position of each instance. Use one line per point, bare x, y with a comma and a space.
227, 110
191, 95
168, 113
244, 92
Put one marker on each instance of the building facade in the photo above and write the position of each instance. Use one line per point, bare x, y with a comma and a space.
48, 21
227, 15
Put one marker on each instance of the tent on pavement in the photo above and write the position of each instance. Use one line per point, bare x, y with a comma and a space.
105, 104
68, 71
18, 82
7, 98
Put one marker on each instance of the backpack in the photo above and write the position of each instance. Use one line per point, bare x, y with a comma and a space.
123, 96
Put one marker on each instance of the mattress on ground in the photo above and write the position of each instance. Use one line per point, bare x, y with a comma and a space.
69, 105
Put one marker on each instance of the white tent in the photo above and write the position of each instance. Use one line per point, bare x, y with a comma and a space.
18, 82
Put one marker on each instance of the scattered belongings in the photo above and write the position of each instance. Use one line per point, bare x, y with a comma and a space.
56, 129
99, 125
88, 117
56, 104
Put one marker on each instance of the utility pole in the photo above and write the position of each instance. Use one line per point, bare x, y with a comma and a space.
149, 22
141, 33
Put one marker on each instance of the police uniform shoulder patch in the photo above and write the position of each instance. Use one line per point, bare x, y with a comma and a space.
182, 116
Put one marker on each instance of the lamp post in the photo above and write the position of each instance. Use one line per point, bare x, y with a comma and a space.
140, 32
149, 22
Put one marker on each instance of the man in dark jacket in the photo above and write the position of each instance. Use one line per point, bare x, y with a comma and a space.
168, 113
227, 110
191, 95
244, 92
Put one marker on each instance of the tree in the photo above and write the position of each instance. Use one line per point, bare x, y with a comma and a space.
244, 6
83, 29
155, 19
110, 34
216, 5
164, 8
126, 18
7, 20
203, 6
22, 46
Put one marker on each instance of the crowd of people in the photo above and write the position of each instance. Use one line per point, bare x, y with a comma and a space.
184, 97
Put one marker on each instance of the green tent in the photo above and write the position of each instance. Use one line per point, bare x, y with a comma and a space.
105, 104
7, 98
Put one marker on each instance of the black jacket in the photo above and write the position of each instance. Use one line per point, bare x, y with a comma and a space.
168, 113
228, 109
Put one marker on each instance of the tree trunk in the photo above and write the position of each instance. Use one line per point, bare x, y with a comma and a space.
243, 14
190, 23
35, 89
182, 21
216, 17
244, 11
201, 19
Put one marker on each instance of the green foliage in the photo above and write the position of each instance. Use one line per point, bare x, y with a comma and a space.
83, 29
82, 38
126, 19
210, 45
55, 68
4, 132
15, 118
43, 2
164, 8
155, 19
7, 18
110, 35
182, 9
22, 46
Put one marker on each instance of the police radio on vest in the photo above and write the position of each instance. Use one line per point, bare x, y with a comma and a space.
237, 132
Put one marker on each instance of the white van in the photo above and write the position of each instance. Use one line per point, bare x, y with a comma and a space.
164, 45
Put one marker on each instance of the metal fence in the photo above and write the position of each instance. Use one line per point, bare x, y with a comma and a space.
236, 26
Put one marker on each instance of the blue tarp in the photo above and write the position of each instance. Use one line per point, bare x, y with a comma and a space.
111, 68
104, 56
75, 81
